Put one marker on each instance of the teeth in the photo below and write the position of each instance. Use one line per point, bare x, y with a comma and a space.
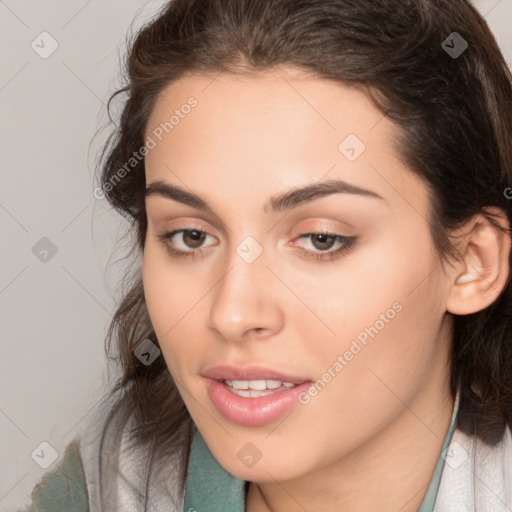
238, 384
251, 393
257, 385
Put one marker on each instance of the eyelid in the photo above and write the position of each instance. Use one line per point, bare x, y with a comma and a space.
164, 220
320, 224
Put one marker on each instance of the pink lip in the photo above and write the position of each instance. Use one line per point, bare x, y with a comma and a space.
252, 411
227, 372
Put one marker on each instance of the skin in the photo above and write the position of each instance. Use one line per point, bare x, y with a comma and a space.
371, 438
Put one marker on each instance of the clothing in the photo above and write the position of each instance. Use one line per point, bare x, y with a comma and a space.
469, 476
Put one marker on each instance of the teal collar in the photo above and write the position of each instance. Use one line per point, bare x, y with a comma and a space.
210, 487
427, 505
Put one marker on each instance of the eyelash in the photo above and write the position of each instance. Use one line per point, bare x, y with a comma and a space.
348, 243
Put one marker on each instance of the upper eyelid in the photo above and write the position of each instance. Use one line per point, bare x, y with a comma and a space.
224, 228
305, 232
193, 224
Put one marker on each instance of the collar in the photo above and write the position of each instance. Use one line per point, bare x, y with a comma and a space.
210, 487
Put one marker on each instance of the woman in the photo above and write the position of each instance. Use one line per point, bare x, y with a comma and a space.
321, 318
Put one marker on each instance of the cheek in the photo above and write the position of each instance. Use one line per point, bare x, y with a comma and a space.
170, 291
156, 292
168, 303
346, 298
381, 308
404, 342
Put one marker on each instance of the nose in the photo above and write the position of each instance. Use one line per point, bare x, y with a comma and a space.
245, 302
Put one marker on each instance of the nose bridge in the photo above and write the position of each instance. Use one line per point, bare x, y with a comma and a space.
241, 302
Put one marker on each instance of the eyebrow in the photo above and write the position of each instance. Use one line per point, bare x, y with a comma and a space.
277, 203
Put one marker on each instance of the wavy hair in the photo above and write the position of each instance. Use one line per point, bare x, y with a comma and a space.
455, 122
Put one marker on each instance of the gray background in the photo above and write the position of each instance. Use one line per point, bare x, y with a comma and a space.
54, 313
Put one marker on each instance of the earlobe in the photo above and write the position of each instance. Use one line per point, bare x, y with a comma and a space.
482, 274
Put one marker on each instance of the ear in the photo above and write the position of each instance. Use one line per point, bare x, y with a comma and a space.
482, 273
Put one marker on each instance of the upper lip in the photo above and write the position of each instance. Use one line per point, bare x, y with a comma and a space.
227, 372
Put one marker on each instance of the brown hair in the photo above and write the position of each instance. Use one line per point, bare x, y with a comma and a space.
455, 120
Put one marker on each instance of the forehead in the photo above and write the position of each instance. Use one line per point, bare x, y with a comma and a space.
277, 127
274, 97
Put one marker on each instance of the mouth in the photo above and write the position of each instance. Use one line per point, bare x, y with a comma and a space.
253, 396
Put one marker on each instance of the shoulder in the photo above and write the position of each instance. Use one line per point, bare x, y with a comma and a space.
64, 488
104, 469
468, 456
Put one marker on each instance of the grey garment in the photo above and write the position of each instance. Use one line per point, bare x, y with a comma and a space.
476, 477
121, 475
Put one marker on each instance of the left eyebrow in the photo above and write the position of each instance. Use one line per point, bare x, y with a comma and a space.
297, 196
277, 203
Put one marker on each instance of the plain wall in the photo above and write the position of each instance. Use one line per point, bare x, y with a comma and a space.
54, 313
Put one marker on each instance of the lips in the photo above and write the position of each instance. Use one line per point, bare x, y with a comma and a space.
248, 373
253, 395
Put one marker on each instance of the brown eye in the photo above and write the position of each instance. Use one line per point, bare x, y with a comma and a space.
184, 243
323, 241
193, 238
321, 245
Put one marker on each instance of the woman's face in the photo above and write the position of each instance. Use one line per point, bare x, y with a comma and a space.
353, 319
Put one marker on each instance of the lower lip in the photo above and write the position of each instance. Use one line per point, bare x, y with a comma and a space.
253, 411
